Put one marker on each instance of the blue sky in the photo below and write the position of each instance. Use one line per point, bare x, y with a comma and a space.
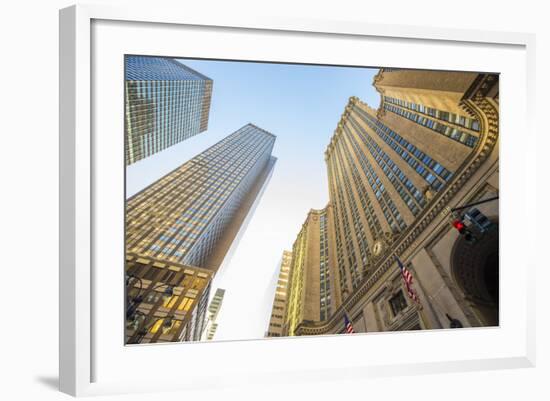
301, 105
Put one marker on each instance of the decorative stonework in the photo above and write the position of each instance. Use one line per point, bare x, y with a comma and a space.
476, 104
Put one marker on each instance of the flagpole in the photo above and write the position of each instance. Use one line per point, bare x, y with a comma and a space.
431, 300
346, 313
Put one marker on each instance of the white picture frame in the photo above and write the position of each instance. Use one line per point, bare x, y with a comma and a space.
91, 364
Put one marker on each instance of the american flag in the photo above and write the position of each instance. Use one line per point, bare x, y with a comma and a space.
408, 278
348, 328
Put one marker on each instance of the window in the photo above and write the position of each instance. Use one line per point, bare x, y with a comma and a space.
398, 303
156, 326
169, 302
185, 305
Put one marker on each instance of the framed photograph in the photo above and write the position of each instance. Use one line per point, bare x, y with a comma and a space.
246, 200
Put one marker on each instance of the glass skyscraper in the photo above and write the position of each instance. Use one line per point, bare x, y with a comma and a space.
191, 215
166, 103
179, 229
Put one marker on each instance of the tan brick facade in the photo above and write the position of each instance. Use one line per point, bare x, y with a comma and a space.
431, 144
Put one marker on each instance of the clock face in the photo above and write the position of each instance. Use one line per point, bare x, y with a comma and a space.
377, 248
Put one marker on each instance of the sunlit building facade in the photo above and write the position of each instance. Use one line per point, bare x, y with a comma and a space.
394, 173
184, 216
379, 171
277, 318
166, 103
310, 287
166, 302
190, 218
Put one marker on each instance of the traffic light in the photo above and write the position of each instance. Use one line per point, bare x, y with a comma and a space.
463, 230
478, 220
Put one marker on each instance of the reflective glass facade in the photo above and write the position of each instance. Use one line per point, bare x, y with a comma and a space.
165, 103
182, 216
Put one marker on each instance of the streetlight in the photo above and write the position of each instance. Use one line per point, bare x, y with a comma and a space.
134, 302
454, 323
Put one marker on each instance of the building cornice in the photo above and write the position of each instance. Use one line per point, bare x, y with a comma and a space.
340, 126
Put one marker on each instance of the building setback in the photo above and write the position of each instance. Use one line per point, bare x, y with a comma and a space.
213, 311
166, 103
310, 296
431, 144
191, 216
276, 321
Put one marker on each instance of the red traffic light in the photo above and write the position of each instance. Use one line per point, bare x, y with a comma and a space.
459, 225
463, 230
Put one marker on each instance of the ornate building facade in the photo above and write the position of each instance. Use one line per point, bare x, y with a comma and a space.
394, 174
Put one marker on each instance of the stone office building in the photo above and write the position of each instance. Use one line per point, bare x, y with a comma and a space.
394, 173
276, 320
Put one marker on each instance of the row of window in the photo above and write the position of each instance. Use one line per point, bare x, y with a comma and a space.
358, 266
466, 122
342, 208
394, 218
423, 164
324, 271
410, 195
337, 230
443, 129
